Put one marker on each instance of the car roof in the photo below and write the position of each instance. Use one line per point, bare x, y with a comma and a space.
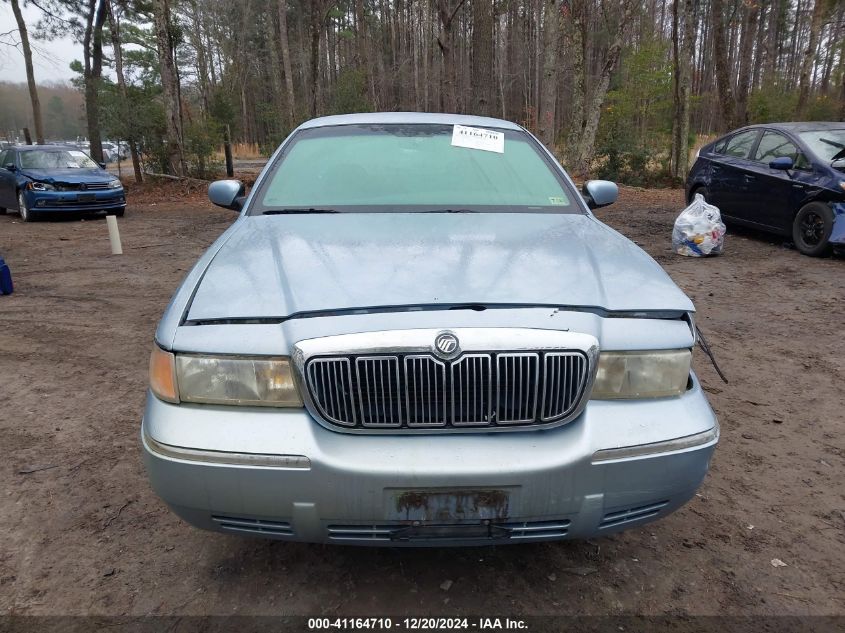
371, 118
29, 148
799, 126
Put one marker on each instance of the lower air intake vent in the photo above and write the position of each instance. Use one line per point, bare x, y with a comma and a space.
619, 517
361, 532
536, 530
253, 526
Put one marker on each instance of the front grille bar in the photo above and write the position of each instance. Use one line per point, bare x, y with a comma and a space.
419, 391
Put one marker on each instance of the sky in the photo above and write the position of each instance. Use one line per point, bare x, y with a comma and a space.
50, 59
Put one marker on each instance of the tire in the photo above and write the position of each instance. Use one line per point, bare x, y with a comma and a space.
2, 210
119, 212
811, 229
699, 189
27, 215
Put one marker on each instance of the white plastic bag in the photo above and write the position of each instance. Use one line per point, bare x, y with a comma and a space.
699, 230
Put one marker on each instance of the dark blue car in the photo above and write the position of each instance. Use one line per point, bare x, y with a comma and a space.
37, 180
786, 178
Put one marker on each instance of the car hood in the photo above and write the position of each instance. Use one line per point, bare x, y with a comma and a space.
68, 175
276, 266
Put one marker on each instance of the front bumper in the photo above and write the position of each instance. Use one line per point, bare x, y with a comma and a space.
75, 201
279, 474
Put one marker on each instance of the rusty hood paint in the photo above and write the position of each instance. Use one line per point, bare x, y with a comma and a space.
276, 266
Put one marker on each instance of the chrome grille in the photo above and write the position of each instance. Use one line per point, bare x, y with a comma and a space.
330, 382
425, 391
420, 391
378, 391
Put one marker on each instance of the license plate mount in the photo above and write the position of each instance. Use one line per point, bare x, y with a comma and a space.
86, 197
448, 506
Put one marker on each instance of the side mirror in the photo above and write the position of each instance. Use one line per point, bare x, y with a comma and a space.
102, 165
228, 194
783, 163
11, 166
600, 193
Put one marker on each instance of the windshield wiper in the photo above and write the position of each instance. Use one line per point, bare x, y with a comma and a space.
450, 211
298, 210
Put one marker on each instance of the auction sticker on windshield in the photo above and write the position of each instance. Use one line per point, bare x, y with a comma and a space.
478, 138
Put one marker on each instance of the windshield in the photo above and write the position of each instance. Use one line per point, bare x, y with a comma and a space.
825, 144
56, 159
413, 168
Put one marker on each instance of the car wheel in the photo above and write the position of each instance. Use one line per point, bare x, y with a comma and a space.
700, 189
811, 229
26, 214
2, 210
119, 212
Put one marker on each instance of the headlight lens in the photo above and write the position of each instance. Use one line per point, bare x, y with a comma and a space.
41, 186
115, 184
652, 374
842, 183
231, 380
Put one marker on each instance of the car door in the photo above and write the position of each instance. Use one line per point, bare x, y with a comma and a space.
729, 174
7, 180
775, 190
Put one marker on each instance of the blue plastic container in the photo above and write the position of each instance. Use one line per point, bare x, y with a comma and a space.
5, 278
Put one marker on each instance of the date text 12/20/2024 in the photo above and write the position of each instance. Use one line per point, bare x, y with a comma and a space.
417, 624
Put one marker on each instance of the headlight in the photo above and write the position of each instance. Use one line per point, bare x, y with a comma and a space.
266, 382
842, 183
115, 184
40, 186
654, 374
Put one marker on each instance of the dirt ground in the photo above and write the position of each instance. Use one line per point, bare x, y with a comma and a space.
82, 533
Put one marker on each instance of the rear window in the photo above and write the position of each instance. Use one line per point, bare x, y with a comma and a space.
411, 167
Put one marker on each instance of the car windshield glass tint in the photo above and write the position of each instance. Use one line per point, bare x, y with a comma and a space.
56, 159
410, 168
825, 144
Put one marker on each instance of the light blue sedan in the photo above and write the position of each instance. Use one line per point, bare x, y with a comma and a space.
417, 333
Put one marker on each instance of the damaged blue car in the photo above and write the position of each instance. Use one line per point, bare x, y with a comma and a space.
784, 178
37, 180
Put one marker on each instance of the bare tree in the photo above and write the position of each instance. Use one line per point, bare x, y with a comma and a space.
482, 77
749, 28
446, 10
597, 95
284, 50
114, 29
552, 25
92, 44
30, 73
170, 86
720, 53
809, 56
683, 17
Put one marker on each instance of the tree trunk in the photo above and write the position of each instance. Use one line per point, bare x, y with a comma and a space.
314, 59
286, 64
575, 126
170, 87
92, 73
683, 66
445, 40
723, 81
552, 24
809, 56
586, 146
30, 74
114, 28
749, 28
482, 78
